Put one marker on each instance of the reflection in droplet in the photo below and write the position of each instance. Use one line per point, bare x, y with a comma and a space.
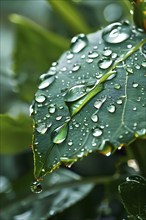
76, 67
111, 108
105, 63
97, 132
60, 133
40, 98
116, 32
94, 118
36, 187
78, 43
46, 82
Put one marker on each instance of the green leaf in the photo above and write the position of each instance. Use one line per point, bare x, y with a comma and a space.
55, 198
36, 48
70, 15
15, 134
95, 99
133, 193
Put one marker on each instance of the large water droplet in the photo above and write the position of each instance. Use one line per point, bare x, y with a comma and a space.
105, 63
97, 132
75, 93
99, 102
40, 98
46, 82
116, 33
78, 43
60, 133
36, 187
111, 108
42, 128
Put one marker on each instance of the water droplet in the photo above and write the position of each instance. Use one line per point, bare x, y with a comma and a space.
119, 101
75, 93
129, 70
70, 143
116, 32
69, 55
105, 63
60, 133
107, 53
52, 108
40, 98
97, 132
111, 108
137, 67
141, 132
114, 55
143, 64
92, 54
99, 102
46, 82
78, 43
58, 118
76, 67
42, 128
134, 85
117, 86
36, 187
94, 118
129, 46
134, 108
31, 109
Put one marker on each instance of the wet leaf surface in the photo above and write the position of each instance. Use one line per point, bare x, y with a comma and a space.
91, 99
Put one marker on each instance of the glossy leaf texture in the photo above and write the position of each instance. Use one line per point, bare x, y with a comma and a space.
91, 99
54, 199
133, 193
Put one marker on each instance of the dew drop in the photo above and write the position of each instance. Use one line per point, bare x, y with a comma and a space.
75, 93
92, 54
94, 118
105, 63
60, 133
76, 67
107, 53
40, 98
97, 132
52, 108
31, 109
99, 102
119, 101
69, 55
117, 86
36, 187
129, 70
58, 118
143, 64
141, 132
134, 108
116, 33
42, 128
46, 82
78, 43
111, 108
134, 85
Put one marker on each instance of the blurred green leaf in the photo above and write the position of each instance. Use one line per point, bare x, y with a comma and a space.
70, 15
48, 203
15, 134
87, 105
133, 194
36, 48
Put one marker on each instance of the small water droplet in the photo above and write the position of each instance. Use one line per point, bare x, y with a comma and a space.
129, 70
117, 86
94, 118
60, 133
111, 108
141, 132
119, 101
70, 143
78, 43
129, 46
105, 63
42, 128
40, 98
69, 55
76, 67
51, 108
116, 32
92, 54
137, 67
58, 118
36, 187
134, 84
97, 132
134, 108
107, 52
46, 82
143, 64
